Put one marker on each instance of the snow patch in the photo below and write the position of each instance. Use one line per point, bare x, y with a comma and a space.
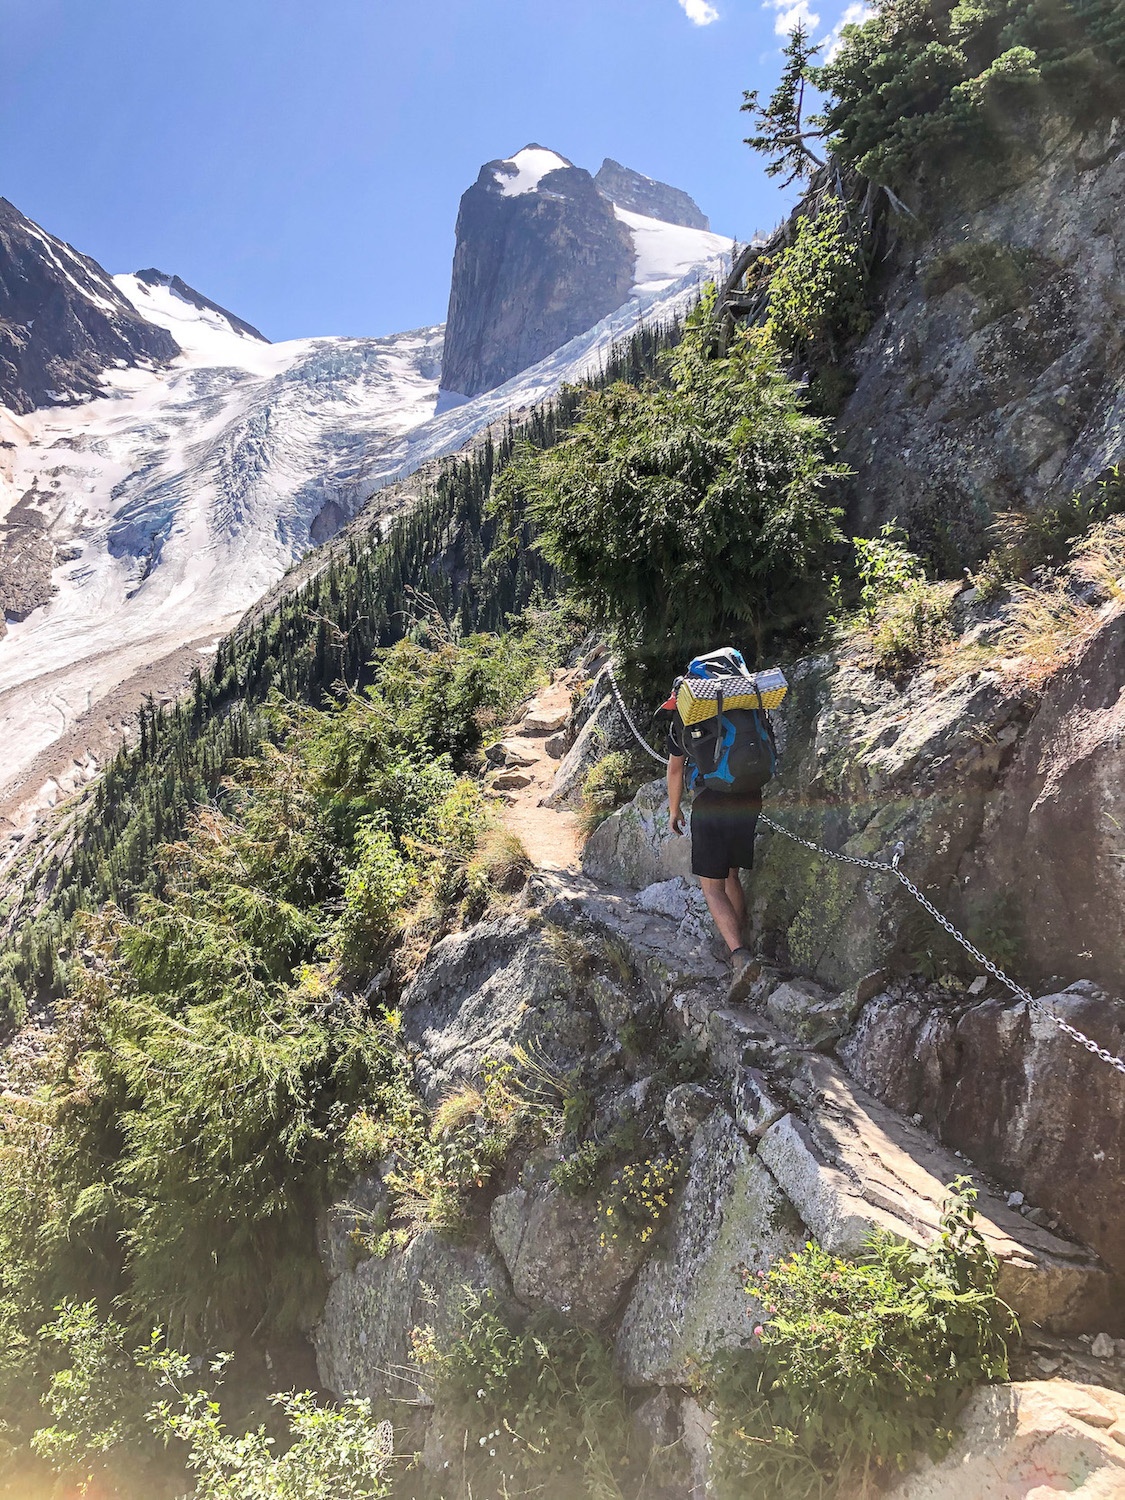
204, 335
666, 252
531, 165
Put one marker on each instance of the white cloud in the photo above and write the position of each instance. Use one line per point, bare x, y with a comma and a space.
699, 12
855, 15
789, 12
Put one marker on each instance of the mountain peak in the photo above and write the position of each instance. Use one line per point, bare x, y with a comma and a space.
180, 290
639, 194
63, 322
545, 251
523, 172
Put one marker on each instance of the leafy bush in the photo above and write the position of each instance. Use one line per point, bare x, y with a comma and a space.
818, 284
188, 1125
862, 1365
435, 1165
637, 1199
609, 783
1027, 540
691, 510
333, 1452
903, 619
116, 1410
542, 1410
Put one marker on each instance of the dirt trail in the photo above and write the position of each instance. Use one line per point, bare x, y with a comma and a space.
527, 768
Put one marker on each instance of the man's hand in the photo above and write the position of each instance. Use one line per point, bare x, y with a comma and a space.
675, 784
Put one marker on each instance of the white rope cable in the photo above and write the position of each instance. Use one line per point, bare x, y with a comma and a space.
891, 868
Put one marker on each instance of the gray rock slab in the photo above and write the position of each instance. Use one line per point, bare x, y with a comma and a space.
755, 1103
856, 1165
809, 1012
1030, 1438
685, 1109
362, 1341
482, 991
635, 846
360, 1212
551, 1245
728, 1214
737, 1038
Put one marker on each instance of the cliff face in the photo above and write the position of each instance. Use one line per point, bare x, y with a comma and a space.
994, 378
62, 320
540, 258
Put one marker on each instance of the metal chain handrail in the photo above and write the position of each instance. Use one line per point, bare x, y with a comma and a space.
892, 868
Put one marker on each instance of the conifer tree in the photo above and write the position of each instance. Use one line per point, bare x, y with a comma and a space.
782, 128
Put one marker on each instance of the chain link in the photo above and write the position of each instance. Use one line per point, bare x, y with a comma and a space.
891, 868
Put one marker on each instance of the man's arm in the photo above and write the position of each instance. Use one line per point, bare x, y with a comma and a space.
674, 780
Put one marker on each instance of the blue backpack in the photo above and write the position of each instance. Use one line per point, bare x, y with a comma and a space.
730, 748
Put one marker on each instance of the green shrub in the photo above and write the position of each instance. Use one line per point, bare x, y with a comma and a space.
688, 511
542, 1411
608, 784
332, 1452
637, 1198
116, 1410
922, 81
375, 892
436, 1164
903, 619
192, 1112
1025, 540
861, 1366
818, 284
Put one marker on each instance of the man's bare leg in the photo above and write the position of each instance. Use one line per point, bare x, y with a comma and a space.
737, 898
728, 911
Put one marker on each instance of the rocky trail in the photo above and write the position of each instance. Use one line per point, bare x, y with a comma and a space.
786, 1136
526, 762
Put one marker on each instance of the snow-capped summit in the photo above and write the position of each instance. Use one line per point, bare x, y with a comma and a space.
201, 327
544, 251
524, 172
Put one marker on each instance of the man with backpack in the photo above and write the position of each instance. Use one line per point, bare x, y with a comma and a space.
721, 746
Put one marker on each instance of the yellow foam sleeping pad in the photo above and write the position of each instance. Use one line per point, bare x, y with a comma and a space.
697, 697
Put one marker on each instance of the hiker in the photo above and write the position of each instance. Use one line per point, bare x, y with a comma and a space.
721, 746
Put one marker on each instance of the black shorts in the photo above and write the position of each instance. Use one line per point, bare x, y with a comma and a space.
723, 826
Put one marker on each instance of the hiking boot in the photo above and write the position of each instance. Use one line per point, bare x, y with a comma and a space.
744, 969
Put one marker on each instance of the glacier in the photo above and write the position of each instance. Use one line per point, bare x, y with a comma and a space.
179, 497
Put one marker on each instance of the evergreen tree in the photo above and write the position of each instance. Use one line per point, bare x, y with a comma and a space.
782, 129
691, 511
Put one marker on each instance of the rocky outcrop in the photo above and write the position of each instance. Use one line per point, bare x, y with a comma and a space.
1054, 833
62, 320
995, 377
540, 258
363, 1341
1048, 1437
778, 1142
483, 991
557, 1256
635, 845
27, 555
1012, 1091
731, 1219
643, 195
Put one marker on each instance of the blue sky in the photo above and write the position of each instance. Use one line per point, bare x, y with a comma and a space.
301, 161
